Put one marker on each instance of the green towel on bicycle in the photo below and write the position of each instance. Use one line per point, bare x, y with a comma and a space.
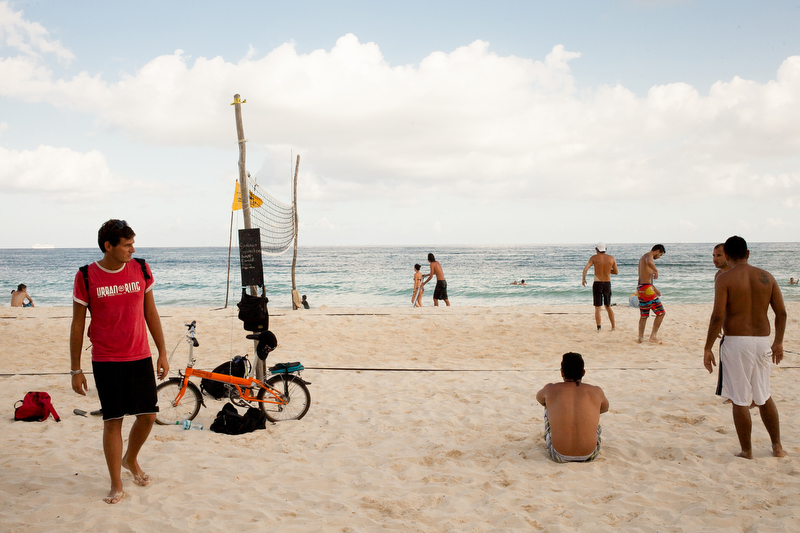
230, 422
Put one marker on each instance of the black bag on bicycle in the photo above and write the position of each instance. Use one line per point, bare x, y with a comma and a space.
235, 367
253, 311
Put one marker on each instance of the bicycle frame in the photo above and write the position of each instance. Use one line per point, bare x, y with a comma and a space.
247, 382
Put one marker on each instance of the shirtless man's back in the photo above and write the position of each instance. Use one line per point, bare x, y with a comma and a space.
573, 413
604, 266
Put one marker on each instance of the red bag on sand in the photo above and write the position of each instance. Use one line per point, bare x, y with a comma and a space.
36, 406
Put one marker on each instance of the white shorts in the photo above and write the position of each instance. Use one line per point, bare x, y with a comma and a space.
744, 365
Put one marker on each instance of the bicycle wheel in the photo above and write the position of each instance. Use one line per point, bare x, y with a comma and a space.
294, 390
169, 414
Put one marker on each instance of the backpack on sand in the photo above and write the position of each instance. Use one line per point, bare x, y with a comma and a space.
35, 407
230, 422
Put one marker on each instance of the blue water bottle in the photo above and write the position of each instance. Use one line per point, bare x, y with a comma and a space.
188, 424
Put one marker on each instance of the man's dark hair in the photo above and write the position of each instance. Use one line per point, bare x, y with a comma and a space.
21, 287
659, 248
112, 231
417, 267
572, 366
431, 258
720, 245
736, 248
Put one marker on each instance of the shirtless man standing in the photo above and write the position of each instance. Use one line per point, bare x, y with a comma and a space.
440, 291
572, 414
648, 294
742, 296
604, 266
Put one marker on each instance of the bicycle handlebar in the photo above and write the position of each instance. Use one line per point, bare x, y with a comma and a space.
190, 335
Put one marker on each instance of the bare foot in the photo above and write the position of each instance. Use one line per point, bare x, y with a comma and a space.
777, 451
640, 339
114, 496
139, 477
655, 341
745, 455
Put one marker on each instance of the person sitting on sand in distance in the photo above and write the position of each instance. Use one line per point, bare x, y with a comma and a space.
19, 296
305, 303
572, 412
440, 291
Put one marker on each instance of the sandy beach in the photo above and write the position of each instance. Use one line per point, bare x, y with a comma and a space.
446, 437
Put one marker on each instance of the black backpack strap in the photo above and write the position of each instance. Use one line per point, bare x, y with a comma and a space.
85, 271
142, 264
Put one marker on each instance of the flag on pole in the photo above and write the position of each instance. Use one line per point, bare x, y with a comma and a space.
255, 201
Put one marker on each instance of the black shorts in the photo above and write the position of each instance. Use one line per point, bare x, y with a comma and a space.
602, 293
440, 292
126, 387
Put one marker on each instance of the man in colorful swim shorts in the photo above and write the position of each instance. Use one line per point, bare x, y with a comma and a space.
440, 291
572, 412
604, 266
118, 293
648, 294
742, 296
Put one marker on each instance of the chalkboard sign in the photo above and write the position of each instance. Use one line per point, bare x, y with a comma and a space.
250, 257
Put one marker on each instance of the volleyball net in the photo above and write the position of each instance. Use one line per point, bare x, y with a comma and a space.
275, 219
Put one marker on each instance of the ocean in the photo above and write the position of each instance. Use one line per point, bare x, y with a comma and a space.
382, 276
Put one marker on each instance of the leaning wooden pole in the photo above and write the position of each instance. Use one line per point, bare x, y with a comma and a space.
244, 188
244, 191
295, 296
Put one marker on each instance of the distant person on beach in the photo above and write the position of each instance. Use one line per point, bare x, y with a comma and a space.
523, 282
118, 292
793, 282
514, 282
742, 296
416, 297
19, 296
305, 303
649, 296
572, 412
440, 291
718, 256
604, 266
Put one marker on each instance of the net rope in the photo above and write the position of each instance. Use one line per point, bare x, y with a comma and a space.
274, 218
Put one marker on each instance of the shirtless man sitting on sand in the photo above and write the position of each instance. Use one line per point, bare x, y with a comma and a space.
649, 296
742, 296
19, 296
572, 414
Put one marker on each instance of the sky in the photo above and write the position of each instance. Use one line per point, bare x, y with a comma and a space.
417, 123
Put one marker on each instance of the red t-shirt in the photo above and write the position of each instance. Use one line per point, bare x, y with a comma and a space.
118, 329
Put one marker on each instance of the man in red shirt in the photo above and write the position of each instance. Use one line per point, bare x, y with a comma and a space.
118, 294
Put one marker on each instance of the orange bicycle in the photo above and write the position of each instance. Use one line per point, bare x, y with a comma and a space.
283, 396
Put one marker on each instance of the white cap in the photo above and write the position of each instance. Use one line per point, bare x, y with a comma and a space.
601, 246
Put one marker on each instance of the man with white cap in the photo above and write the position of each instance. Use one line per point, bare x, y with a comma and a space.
604, 266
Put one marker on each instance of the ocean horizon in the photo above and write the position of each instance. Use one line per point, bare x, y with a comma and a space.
382, 276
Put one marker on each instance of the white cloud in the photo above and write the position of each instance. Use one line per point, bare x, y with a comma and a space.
467, 122
29, 38
56, 172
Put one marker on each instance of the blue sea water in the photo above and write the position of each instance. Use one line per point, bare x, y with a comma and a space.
382, 276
